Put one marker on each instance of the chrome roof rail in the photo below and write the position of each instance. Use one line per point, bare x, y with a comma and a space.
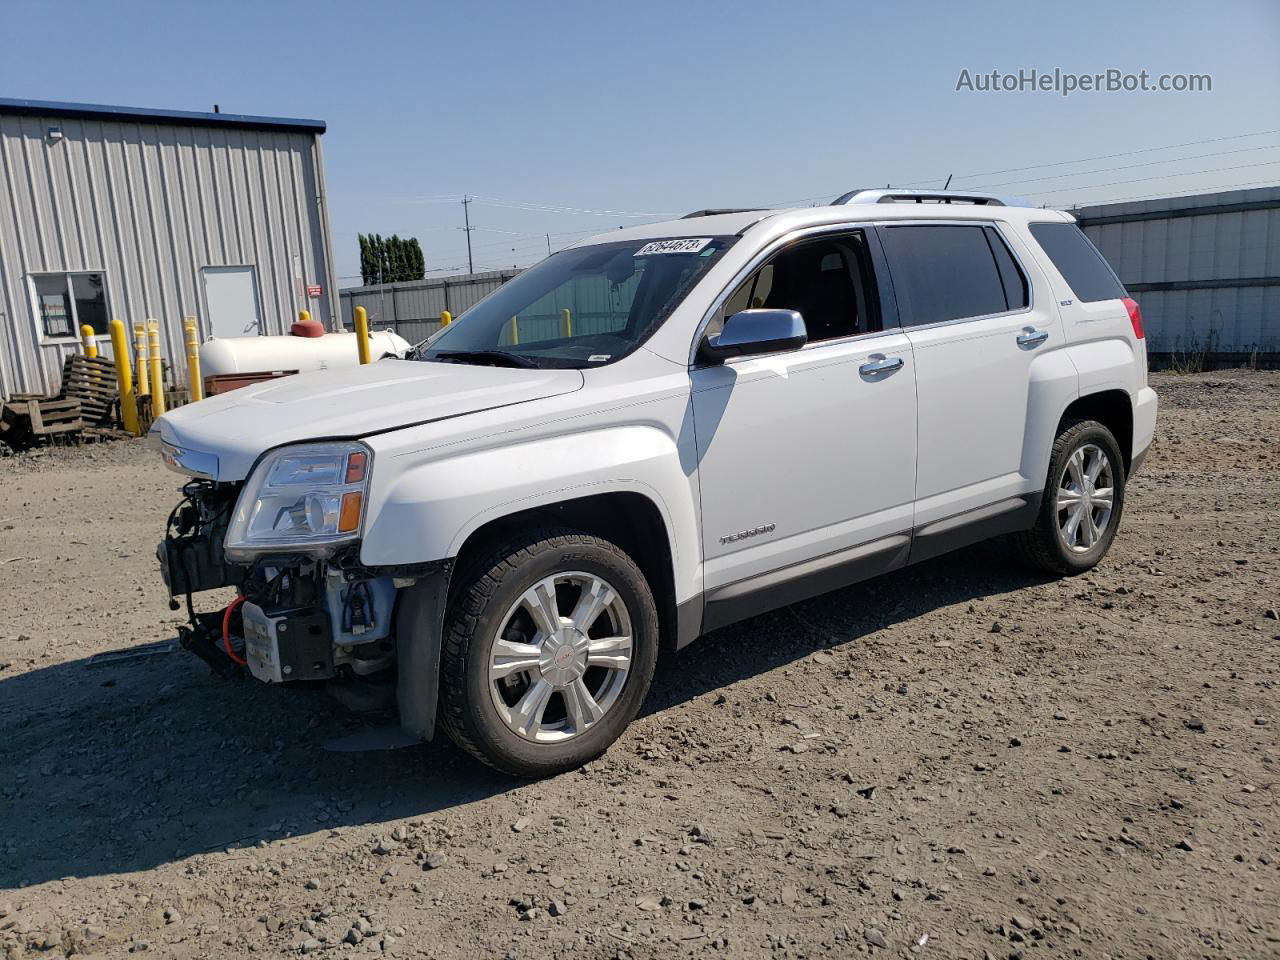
890, 195
717, 211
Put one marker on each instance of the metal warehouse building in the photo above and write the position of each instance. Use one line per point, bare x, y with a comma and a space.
1205, 268
136, 214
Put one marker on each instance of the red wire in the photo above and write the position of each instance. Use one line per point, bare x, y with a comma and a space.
226, 630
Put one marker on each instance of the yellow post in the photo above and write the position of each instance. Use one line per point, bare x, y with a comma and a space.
446, 318
157, 372
124, 377
86, 338
362, 334
515, 330
566, 323
193, 358
140, 358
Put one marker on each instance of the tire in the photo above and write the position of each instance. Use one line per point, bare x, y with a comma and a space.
1053, 545
494, 700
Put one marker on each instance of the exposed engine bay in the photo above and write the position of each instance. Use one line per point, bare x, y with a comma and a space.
294, 618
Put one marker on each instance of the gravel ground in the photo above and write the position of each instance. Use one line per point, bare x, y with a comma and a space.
958, 760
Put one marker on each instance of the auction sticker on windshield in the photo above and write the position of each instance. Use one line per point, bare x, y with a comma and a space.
687, 245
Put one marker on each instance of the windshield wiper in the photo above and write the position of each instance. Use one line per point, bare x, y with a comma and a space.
492, 358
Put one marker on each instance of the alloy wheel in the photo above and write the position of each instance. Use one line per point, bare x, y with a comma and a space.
1085, 498
561, 657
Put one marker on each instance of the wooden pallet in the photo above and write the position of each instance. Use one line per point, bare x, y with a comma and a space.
92, 381
23, 422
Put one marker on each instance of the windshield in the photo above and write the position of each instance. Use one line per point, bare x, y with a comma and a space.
581, 307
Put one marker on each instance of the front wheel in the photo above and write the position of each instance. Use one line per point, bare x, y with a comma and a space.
1082, 501
549, 651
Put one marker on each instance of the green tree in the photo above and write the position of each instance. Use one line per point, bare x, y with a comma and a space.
390, 259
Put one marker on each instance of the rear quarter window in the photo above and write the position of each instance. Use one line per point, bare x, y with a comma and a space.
1087, 273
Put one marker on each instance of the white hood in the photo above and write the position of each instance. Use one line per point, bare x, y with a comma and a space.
239, 426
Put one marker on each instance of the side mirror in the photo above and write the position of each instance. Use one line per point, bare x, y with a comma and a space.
751, 332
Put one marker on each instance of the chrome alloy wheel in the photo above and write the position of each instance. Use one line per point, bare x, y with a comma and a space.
561, 657
1085, 498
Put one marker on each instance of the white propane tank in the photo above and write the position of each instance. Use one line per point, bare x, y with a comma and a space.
261, 354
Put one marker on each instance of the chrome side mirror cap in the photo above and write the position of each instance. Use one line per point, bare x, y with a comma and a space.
752, 332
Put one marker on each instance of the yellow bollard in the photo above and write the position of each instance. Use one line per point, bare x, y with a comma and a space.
157, 372
90, 344
362, 334
140, 358
124, 378
193, 358
515, 330
566, 323
446, 318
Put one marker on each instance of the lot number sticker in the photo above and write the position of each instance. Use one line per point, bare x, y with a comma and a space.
689, 245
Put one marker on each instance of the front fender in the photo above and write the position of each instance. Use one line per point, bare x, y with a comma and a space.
425, 504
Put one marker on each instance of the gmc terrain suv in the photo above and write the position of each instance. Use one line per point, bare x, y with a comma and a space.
649, 435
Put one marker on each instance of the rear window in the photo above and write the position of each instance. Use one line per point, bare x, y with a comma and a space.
943, 272
1088, 275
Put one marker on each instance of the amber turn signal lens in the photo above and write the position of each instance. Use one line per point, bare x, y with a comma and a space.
356, 464
349, 514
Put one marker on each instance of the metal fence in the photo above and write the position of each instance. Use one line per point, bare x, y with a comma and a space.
1205, 268
413, 308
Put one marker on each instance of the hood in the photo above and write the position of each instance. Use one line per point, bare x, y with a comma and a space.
239, 426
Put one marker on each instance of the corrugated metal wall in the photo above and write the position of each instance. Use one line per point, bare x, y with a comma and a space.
148, 205
413, 308
1205, 268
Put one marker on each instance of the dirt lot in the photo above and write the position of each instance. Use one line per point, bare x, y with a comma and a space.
1002, 764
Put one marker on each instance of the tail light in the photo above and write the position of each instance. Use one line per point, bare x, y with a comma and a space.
1135, 316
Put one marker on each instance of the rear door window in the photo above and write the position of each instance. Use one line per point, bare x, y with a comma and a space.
1088, 275
947, 272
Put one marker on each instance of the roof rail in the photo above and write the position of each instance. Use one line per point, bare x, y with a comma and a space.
921, 196
715, 212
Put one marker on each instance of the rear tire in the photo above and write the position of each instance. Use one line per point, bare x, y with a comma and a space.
549, 648
1082, 502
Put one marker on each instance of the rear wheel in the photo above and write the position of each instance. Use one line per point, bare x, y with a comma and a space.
549, 650
1082, 501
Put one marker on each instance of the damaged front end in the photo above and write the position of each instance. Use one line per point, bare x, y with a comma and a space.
296, 617
305, 608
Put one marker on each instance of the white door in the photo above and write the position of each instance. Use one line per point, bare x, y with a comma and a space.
965, 303
231, 301
806, 460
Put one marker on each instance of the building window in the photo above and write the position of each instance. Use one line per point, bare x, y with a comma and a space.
67, 301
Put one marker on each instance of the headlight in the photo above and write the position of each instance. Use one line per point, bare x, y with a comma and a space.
304, 499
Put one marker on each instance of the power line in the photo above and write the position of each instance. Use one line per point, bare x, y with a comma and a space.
1128, 166
1105, 156
1037, 166
1165, 176
1163, 196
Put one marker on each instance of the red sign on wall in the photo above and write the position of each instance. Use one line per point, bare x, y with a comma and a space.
313, 290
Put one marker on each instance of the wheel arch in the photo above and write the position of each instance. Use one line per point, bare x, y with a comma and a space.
1114, 410
632, 519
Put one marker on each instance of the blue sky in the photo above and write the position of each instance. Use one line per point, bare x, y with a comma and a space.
651, 108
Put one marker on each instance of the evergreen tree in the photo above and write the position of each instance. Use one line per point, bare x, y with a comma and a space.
390, 259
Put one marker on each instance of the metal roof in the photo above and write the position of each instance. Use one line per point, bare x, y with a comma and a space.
98, 111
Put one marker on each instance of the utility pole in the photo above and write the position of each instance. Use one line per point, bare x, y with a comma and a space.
466, 216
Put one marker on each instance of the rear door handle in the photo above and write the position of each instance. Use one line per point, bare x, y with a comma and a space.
877, 364
1031, 337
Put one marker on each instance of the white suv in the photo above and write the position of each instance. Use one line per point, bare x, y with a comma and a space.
654, 433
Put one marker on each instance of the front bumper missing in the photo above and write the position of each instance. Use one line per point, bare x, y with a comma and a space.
282, 644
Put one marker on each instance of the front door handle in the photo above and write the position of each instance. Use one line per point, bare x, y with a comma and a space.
1031, 337
878, 363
